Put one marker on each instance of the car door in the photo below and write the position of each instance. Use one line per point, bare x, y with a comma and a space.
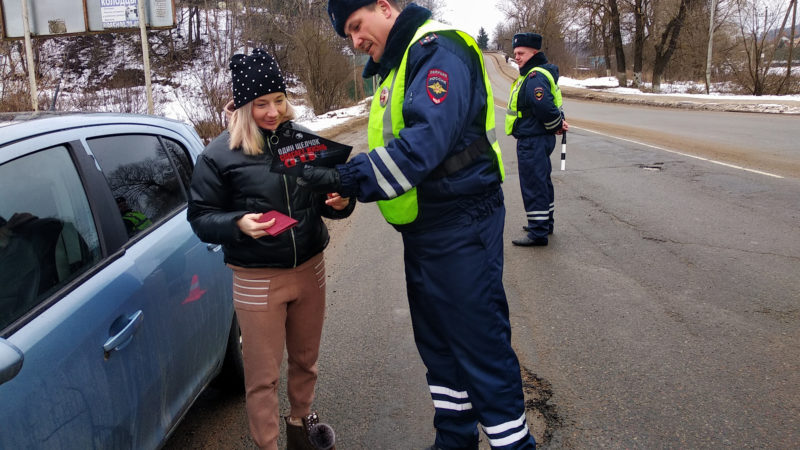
115, 351
69, 390
186, 280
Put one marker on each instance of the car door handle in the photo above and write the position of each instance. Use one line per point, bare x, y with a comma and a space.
124, 336
213, 247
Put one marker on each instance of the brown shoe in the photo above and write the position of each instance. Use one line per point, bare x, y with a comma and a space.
312, 435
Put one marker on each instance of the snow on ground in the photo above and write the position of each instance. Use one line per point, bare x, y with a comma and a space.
330, 119
682, 89
677, 89
606, 84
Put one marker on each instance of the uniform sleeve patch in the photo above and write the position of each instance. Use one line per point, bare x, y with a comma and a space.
437, 82
538, 93
428, 39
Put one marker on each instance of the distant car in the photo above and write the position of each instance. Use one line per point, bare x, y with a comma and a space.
113, 315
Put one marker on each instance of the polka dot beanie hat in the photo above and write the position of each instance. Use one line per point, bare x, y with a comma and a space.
253, 76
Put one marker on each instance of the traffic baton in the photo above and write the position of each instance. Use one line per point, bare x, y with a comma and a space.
563, 150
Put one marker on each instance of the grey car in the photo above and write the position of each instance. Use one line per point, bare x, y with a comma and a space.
113, 315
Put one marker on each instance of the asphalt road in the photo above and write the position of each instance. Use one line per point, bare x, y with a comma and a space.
663, 314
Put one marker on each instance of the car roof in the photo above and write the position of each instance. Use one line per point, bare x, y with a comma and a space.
23, 125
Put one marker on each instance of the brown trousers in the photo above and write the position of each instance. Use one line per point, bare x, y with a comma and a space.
276, 307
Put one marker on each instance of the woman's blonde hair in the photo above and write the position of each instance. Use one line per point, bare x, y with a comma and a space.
245, 133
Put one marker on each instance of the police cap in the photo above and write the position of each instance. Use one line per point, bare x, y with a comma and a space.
531, 40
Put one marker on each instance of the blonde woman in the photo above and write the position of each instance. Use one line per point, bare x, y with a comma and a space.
279, 281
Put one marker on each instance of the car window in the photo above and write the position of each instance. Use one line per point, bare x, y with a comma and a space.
141, 176
47, 234
181, 160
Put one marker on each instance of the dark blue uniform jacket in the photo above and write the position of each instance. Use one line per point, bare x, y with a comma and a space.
437, 125
536, 100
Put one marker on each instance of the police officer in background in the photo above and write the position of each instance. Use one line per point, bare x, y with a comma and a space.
534, 117
435, 169
135, 221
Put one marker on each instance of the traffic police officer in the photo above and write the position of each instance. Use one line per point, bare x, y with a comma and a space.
534, 117
435, 169
135, 221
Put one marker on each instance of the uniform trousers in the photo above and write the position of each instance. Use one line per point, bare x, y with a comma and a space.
277, 307
459, 314
533, 158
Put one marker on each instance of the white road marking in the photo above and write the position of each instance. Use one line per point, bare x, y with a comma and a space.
733, 166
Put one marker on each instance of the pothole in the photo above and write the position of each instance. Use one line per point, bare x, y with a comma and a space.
542, 413
655, 167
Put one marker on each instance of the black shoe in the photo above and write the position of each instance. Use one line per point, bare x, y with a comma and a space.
527, 229
528, 242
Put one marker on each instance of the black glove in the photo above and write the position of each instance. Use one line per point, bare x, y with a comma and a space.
320, 179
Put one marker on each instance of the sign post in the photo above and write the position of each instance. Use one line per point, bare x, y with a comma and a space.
148, 85
29, 55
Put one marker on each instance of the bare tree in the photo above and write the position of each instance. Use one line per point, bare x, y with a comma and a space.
616, 35
521, 13
502, 36
667, 42
323, 66
298, 33
546, 17
436, 7
755, 20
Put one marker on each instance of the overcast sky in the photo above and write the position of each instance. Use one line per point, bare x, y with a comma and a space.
471, 15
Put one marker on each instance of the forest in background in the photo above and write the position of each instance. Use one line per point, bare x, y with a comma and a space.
752, 44
641, 42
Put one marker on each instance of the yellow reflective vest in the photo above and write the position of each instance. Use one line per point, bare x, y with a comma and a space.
512, 114
386, 121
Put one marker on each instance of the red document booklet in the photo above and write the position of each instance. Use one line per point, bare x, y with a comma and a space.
282, 222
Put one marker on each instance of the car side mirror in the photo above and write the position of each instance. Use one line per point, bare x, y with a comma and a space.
10, 360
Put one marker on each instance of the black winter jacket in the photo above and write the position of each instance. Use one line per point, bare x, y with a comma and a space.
227, 184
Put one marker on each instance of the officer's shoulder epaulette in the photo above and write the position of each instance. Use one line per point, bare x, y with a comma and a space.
532, 74
428, 38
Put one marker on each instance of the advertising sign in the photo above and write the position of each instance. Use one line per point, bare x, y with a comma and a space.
119, 13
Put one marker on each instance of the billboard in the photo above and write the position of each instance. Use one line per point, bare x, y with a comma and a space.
69, 17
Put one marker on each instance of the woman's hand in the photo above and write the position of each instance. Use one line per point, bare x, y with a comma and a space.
336, 201
250, 225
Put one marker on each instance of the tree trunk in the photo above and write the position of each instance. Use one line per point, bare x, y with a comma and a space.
197, 25
791, 42
234, 25
616, 33
189, 39
606, 46
667, 44
758, 85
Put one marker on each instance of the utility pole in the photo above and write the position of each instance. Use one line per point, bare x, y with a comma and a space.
710, 45
145, 57
29, 55
793, 5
